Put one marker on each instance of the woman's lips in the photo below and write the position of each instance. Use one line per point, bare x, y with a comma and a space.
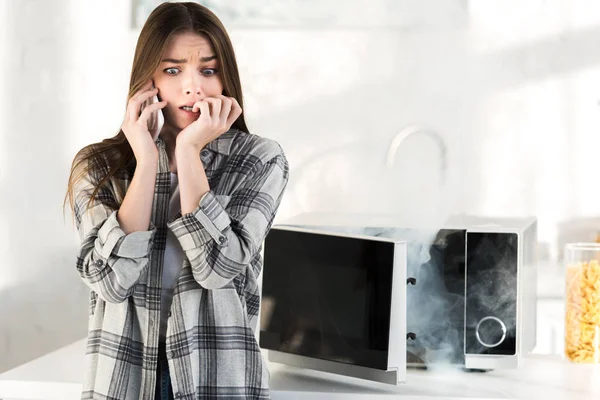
190, 114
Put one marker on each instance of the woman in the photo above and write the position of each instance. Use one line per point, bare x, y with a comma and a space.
171, 223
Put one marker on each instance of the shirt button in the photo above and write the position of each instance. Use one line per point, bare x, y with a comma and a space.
177, 395
222, 240
99, 263
205, 153
170, 354
169, 314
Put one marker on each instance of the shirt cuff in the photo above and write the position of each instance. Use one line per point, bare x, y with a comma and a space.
113, 240
209, 221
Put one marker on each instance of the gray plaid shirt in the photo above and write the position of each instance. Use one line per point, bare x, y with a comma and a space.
210, 344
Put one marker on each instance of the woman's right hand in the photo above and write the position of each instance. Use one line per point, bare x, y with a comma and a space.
135, 125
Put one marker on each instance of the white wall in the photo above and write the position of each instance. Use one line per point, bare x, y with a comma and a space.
59, 89
512, 87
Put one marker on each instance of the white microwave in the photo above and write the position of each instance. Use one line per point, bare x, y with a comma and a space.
470, 287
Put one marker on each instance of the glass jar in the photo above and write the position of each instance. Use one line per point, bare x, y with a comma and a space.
582, 302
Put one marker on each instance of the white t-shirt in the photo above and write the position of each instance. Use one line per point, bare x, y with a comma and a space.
173, 260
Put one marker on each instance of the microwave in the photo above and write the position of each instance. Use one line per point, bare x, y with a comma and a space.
470, 284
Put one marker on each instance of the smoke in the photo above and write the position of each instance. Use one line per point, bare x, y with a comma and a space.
434, 314
494, 291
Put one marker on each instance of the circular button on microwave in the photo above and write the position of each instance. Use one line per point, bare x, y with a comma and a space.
490, 331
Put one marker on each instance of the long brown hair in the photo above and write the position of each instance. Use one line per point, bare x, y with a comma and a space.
101, 161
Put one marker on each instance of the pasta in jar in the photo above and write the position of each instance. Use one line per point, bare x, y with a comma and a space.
582, 304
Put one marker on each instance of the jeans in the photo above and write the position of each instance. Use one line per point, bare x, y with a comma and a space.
164, 390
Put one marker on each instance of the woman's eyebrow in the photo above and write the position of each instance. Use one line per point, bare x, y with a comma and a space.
184, 60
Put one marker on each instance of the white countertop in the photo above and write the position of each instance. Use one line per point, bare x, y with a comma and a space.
57, 375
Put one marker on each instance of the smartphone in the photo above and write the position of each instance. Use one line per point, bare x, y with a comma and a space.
156, 119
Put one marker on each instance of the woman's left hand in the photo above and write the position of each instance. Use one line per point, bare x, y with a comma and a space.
212, 122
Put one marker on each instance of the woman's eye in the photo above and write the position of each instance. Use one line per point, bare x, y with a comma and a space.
205, 72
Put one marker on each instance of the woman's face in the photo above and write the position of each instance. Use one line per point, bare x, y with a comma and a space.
188, 72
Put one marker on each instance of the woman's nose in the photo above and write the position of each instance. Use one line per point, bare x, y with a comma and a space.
193, 85
193, 90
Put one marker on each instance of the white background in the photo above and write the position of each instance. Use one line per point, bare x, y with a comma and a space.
512, 88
